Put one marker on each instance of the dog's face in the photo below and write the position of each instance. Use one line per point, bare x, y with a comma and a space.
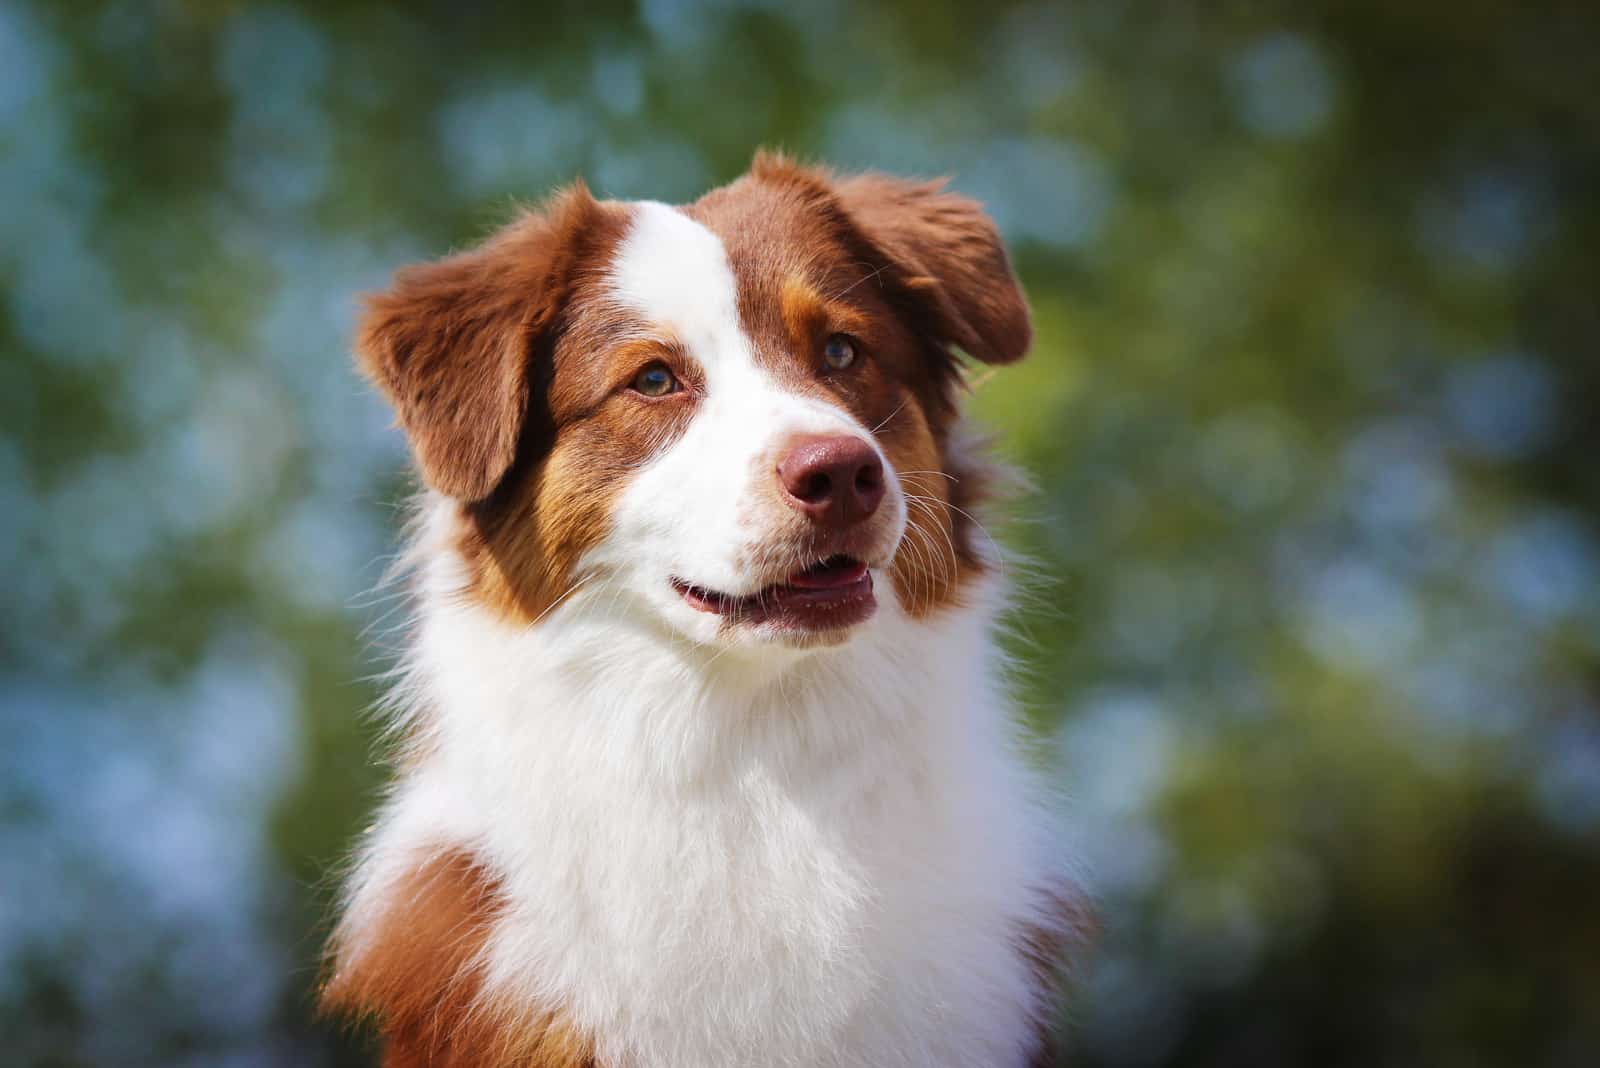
738, 415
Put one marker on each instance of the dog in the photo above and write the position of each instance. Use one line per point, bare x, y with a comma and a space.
706, 758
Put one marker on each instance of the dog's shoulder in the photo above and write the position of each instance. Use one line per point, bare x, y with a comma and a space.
418, 969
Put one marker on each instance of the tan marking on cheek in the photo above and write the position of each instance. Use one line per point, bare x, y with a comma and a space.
523, 553
418, 970
523, 547
935, 560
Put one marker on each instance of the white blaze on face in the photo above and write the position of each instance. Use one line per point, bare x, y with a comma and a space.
693, 512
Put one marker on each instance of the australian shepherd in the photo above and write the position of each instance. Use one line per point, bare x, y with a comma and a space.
705, 756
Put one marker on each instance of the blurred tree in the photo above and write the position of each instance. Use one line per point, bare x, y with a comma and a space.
1309, 620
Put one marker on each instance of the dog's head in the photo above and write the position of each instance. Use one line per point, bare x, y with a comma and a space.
739, 414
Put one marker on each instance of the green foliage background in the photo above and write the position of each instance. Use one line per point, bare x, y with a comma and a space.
1310, 624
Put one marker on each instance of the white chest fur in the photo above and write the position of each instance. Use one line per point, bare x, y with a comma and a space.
709, 863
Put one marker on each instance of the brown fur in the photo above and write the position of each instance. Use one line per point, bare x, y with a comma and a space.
503, 364
908, 271
451, 343
1046, 947
419, 970
523, 544
952, 257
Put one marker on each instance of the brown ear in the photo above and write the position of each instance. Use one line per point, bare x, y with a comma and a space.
952, 258
450, 343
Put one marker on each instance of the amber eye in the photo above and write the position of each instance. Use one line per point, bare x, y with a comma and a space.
655, 381
839, 352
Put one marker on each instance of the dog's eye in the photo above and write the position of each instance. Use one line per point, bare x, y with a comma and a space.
655, 381
839, 352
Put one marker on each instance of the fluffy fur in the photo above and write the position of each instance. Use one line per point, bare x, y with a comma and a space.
630, 833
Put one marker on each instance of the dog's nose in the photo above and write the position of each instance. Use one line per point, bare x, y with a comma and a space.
835, 480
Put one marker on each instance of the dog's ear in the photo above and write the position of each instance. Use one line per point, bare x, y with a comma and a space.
452, 343
950, 256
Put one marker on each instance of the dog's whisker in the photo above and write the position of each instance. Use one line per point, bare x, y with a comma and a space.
864, 278
900, 408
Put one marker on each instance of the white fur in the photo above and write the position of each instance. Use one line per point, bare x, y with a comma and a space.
774, 857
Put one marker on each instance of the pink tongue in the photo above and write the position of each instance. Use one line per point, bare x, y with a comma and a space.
828, 577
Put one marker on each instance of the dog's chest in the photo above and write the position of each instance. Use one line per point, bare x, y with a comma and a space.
844, 882
772, 926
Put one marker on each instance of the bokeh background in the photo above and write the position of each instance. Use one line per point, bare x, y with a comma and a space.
1311, 629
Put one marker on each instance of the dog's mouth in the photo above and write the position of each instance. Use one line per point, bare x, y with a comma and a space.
831, 594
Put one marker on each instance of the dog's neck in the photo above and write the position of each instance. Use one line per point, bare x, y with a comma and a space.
598, 673
847, 832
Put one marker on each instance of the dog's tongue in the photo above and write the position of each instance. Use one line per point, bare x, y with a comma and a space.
840, 571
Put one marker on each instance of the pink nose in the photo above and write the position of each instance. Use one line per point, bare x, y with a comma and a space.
835, 481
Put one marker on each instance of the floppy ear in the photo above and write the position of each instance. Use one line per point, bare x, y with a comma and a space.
451, 343
951, 258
